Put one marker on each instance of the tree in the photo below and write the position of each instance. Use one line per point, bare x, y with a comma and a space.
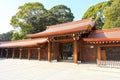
96, 12
17, 36
26, 19
112, 19
6, 36
33, 18
60, 14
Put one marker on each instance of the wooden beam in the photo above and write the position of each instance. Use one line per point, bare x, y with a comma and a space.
13, 53
106, 42
75, 51
39, 54
29, 53
111, 45
49, 51
20, 54
65, 40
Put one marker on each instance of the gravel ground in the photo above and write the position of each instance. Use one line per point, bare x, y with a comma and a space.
16, 69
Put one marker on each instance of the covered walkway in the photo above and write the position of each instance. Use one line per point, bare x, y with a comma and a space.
23, 48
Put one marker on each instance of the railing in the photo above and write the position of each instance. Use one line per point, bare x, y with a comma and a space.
107, 63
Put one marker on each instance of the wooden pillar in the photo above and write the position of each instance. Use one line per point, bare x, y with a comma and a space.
13, 53
6, 53
38, 53
49, 51
1, 52
29, 53
75, 43
98, 53
20, 54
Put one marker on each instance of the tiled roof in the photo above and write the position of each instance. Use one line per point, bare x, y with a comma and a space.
65, 28
104, 35
23, 43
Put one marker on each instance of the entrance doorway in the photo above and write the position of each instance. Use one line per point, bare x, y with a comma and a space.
66, 52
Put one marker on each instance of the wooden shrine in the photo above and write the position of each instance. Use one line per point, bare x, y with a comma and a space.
88, 45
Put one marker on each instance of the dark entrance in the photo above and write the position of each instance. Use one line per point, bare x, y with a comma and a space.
113, 53
66, 52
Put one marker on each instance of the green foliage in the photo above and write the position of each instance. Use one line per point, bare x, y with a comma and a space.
96, 12
6, 36
17, 36
33, 18
60, 14
26, 16
112, 15
105, 14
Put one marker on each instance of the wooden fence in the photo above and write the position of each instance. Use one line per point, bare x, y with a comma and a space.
110, 64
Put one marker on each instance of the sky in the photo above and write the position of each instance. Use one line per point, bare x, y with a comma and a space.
8, 8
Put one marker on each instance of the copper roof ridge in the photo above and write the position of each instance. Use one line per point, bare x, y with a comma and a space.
100, 39
84, 22
105, 30
64, 24
21, 40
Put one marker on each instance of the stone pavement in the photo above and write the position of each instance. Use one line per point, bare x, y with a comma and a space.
16, 69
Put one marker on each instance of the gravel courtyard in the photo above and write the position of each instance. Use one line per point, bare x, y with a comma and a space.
16, 69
